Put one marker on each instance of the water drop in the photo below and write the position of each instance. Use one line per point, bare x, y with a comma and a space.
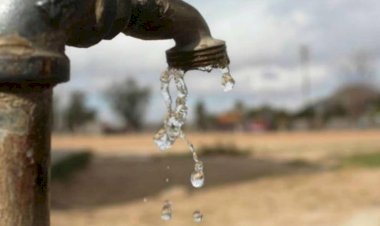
195, 157
181, 101
180, 83
173, 125
228, 82
166, 213
190, 146
197, 179
167, 180
162, 140
145, 199
198, 166
165, 76
165, 92
166, 95
197, 216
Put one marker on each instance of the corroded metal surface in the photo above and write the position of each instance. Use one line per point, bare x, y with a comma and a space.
214, 56
25, 118
175, 19
33, 34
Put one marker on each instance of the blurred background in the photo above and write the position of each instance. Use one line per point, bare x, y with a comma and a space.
297, 142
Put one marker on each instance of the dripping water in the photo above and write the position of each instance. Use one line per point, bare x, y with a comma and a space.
175, 118
197, 216
166, 213
228, 81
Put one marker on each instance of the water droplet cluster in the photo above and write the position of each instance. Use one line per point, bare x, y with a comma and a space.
166, 213
197, 216
172, 129
197, 178
228, 81
176, 115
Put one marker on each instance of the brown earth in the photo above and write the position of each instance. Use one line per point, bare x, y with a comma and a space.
290, 179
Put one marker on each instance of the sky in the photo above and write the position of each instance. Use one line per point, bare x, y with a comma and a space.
263, 40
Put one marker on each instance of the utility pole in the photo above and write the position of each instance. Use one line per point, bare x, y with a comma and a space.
305, 73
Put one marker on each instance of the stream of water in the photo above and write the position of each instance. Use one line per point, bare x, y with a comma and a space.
172, 129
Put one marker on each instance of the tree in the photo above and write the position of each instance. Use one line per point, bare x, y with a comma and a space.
201, 116
358, 90
76, 113
359, 68
129, 101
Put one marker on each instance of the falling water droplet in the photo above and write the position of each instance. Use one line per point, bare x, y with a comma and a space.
145, 199
167, 180
162, 140
180, 83
197, 216
228, 81
165, 81
166, 213
191, 147
173, 126
197, 179
165, 76
198, 166
176, 117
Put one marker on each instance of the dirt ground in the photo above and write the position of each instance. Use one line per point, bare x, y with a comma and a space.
290, 179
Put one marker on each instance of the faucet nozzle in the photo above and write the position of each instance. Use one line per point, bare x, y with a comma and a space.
213, 55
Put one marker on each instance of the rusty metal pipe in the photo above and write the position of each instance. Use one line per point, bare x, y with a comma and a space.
25, 118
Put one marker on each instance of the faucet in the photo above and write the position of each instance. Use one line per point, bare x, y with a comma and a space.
33, 36
195, 47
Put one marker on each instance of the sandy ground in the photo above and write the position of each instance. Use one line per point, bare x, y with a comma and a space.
266, 188
298, 144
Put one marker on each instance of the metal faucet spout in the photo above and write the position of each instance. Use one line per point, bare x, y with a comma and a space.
174, 19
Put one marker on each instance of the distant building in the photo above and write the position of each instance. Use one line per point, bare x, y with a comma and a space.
256, 125
229, 121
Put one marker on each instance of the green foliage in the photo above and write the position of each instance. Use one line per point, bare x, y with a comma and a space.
74, 162
335, 110
223, 149
370, 160
307, 112
76, 113
129, 100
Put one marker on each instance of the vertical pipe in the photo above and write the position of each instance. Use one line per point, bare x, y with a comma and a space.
25, 125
